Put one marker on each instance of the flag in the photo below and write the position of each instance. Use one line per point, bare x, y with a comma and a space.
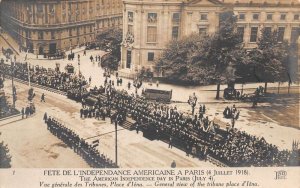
95, 143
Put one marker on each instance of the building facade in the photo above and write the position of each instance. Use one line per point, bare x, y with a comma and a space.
50, 26
149, 25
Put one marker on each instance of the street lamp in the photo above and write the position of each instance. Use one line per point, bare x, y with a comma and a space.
14, 93
28, 70
116, 142
79, 64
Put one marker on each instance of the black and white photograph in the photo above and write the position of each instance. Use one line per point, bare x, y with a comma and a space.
150, 84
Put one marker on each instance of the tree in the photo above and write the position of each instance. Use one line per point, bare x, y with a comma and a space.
5, 158
145, 74
270, 58
184, 61
110, 40
226, 50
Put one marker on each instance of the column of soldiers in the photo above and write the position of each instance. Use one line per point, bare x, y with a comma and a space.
87, 151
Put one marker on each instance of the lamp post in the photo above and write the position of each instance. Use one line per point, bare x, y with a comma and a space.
79, 64
14, 94
116, 143
28, 68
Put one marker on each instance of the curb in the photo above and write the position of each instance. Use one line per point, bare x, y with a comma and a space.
10, 44
9, 117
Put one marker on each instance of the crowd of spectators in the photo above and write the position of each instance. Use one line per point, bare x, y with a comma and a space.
197, 135
240, 149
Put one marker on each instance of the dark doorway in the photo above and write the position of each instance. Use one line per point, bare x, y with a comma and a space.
30, 47
128, 60
52, 48
41, 50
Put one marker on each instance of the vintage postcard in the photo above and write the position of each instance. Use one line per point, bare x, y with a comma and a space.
149, 93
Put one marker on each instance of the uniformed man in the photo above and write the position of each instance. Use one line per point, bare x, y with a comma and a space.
23, 112
173, 164
43, 98
45, 117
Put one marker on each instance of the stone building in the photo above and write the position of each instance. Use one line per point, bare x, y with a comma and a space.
50, 26
149, 25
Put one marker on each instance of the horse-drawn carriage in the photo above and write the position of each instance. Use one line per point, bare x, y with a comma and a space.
158, 95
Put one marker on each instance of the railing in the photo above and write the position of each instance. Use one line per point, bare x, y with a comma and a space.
105, 57
127, 75
216, 162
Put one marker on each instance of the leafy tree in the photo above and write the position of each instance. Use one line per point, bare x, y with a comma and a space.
182, 62
174, 59
226, 50
110, 40
270, 58
145, 74
5, 158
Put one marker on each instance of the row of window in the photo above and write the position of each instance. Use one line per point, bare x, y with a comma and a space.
253, 35
281, 33
152, 17
78, 30
40, 8
152, 32
255, 16
41, 33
